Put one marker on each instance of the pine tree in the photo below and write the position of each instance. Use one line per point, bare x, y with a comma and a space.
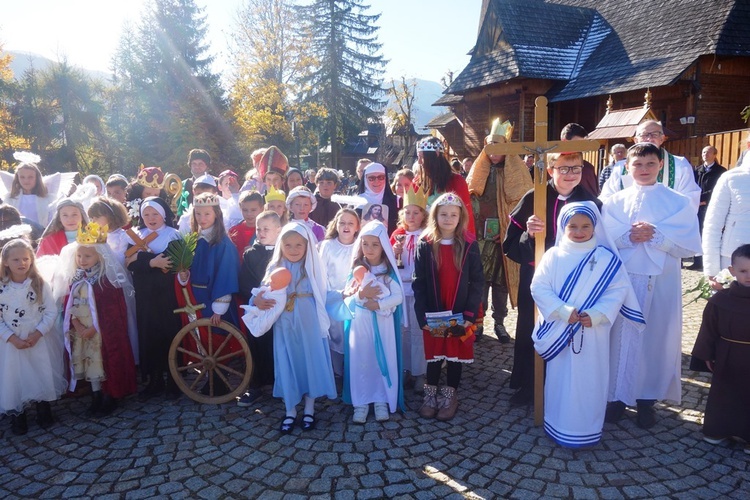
170, 100
346, 82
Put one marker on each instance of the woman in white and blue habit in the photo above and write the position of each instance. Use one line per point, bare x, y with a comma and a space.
374, 336
302, 358
575, 278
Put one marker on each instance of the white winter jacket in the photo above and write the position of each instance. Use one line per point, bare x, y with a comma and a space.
727, 223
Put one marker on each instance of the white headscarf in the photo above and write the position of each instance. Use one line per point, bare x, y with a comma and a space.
376, 228
601, 237
313, 267
369, 194
301, 191
165, 234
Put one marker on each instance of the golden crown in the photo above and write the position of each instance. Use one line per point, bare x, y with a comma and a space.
151, 177
500, 129
275, 195
415, 197
92, 234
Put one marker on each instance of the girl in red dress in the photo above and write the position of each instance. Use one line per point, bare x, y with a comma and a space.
447, 277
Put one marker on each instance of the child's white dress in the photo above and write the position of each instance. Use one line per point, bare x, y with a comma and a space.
37, 373
259, 321
370, 330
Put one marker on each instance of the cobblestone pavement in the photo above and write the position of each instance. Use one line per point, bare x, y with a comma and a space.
184, 449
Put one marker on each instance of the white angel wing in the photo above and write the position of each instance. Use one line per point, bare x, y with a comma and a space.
354, 201
84, 194
6, 184
59, 183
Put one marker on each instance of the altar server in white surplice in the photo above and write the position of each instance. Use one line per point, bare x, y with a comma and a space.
653, 228
580, 287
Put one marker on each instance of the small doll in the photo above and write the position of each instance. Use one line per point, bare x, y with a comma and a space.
96, 320
259, 322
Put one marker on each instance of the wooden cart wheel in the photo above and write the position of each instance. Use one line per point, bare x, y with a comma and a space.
205, 368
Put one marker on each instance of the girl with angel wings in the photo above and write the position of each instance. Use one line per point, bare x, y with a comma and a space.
34, 195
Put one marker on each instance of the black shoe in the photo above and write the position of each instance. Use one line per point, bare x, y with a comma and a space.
695, 267
109, 404
502, 333
154, 388
44, 415
646, 416
96, 404
251, 396
522, 397
18, 424
615, 410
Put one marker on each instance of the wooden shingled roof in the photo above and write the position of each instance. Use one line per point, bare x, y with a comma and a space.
597, 47
621, 123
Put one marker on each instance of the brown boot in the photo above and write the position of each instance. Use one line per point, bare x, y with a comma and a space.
447, 404
429, 405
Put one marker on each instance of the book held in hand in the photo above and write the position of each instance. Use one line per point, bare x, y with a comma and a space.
446, 323
491, 228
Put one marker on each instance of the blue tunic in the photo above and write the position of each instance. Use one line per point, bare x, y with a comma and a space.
302, 359
214, 274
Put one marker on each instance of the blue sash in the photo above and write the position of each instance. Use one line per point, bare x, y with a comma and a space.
610, 270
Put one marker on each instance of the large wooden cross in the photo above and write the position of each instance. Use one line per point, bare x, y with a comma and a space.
540, 147
138, 243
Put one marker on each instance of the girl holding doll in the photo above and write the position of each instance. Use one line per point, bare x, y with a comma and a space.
302, 360
412, 221
448, 278
96, 319
31, 348
372, 339
335, 249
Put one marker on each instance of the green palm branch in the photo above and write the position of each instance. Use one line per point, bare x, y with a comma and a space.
181, 252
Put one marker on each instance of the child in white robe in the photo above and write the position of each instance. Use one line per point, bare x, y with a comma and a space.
372, 340
335, 253
653, 227
579, 288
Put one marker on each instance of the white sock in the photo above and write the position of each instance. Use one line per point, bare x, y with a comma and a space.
309, 405
96, 385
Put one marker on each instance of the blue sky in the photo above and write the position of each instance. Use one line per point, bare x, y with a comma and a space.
421, 38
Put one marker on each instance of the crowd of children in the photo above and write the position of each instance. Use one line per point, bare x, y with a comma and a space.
337, 303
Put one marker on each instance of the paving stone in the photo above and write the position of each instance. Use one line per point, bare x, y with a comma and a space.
186, 450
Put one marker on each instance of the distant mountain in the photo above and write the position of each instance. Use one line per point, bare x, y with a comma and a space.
25, 60
426, 93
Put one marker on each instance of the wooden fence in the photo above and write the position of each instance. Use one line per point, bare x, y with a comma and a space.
729, 145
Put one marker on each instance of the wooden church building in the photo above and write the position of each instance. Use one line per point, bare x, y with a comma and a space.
587, 56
